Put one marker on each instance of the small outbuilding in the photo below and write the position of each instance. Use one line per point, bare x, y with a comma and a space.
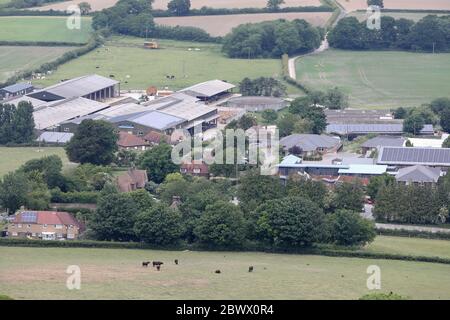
257, 103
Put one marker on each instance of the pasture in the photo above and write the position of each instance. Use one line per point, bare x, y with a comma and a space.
378, 79
40, 273
15, 59
415, 16
221, 25
45, 29
139, 68
12, 158
195, 4
353, 5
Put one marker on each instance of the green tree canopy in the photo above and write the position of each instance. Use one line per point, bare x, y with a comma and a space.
179, 7
348, 228
158, 162
94, 141
222, 225
159, 225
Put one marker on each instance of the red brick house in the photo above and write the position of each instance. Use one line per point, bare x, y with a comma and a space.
195, 169
45, 225
129, 141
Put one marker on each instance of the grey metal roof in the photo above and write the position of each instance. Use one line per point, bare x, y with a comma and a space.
55, 113
81, 86
391, 128
418, 174
152, 119
414, 156
55, 137
384, 141
309, 142
17, 87
209, 88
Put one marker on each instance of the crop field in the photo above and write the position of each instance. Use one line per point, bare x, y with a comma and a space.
415, 16
221, 25
45, 29
195, 4
139, 68
14, 59
352, 5
12, 158
40, 273
378, 79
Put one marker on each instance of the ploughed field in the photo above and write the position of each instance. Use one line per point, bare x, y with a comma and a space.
378, 79
195, 4
40, 273
223, 24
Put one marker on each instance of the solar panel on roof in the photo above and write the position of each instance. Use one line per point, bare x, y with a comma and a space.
29, 216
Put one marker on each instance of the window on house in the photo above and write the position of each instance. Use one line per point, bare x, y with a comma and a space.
19, 226
66, 129
58, 226
45, 225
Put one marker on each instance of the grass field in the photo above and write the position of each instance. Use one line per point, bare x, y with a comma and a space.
12, 158
139, 68
351, 5
222, 25
195, 4
361, 16
378, 79
39, 273
46, 29
14, 59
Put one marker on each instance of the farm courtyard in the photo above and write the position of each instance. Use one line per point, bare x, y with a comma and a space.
378, 79
118, 274
139, 68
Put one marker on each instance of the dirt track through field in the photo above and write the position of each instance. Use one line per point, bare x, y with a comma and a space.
195, 4
221, 25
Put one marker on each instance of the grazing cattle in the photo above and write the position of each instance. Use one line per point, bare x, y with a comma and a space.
158, 267
112, 76
176, 261
217, 271
157, 263
145, 263
250, 269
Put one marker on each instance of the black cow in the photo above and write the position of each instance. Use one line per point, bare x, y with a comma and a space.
157, 263
158, 267
250, 269
176, 261
145, 263
217, 271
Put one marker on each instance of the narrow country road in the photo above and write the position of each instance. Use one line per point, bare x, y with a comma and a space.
388, 226
323, 46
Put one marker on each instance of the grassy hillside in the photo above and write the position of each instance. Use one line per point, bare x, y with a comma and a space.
46, 29
378, 79
139, 68
39, 273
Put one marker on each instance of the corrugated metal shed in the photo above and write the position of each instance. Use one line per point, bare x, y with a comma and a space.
58, 112
209, 88
393, 128
366, 169
151, 119
18, 87
414, 156
55, 137
80, 86
309, 142
384, 141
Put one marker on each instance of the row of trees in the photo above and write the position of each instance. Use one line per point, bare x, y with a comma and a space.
436, 112
430, 34
262, 86
271, 39
134, 17
16, 124
413, 204
268, 214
